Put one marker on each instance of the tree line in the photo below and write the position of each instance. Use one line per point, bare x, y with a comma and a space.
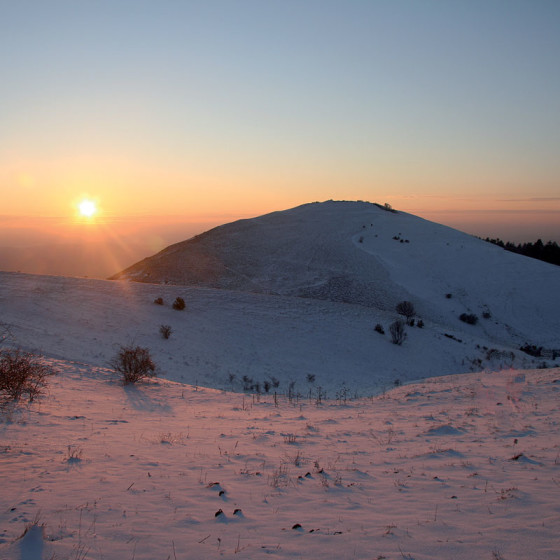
549, 252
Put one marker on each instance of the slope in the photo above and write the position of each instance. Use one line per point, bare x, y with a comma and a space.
225, 336
360, 253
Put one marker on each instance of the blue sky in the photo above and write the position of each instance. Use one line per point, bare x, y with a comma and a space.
253, 106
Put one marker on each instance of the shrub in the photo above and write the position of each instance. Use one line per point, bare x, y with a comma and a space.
398, 332
179, 304
133, 363
448, 296
22, 373
469, 318
247, 383
158, 301
386, 207
379, 328
487, 315
165, 331
406, 309
532, 350
5, 332
420, 324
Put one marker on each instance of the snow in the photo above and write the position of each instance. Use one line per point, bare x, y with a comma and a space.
356, 252
261, 336
31, 544
452, 467
453, 462
223, 333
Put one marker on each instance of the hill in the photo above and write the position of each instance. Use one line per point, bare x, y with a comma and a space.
360, 253
241, 340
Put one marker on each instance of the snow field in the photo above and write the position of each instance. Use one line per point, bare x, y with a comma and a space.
462, 467
223, 333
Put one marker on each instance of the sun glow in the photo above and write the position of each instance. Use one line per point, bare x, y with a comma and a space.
87, 208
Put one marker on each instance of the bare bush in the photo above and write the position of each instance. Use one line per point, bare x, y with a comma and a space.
406, 309
165, 331
469, 318
379, 328
22, 373
179, 304
158, 301
133, 363
386, 207
5, 332
398, 332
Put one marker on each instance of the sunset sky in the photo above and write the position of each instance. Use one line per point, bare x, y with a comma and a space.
207, 111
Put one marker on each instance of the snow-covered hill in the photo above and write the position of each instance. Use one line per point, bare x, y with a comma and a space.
349, 251
358, 252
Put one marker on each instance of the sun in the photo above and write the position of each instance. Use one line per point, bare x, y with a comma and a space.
87, 208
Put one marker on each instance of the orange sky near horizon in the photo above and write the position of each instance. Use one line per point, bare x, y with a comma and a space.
513, 220
132, 189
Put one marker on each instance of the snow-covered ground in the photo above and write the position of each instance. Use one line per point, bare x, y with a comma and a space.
378, 452
228, 333
462, 467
